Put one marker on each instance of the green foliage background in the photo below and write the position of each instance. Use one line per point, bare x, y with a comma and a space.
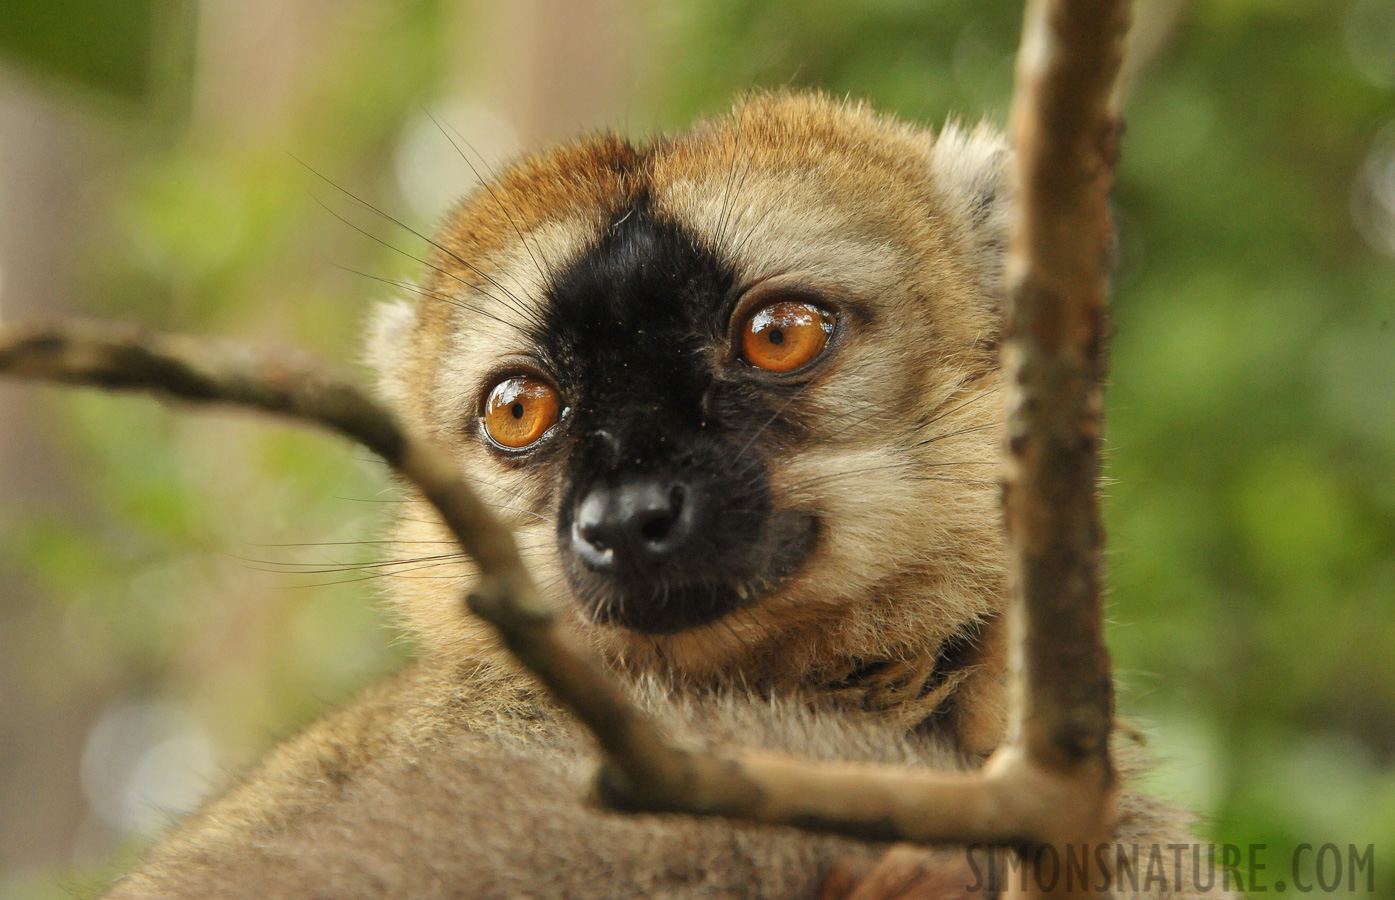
1252, 405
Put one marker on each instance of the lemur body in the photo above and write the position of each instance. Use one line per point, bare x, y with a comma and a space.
736, 391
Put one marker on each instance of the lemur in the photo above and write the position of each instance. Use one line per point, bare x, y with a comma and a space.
737, 392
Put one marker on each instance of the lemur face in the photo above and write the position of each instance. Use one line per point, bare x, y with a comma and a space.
735, 390
670, 374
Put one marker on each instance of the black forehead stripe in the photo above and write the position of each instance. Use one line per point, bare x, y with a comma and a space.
646, 287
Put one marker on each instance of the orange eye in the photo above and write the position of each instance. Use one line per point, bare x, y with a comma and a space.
785, 335
520, 410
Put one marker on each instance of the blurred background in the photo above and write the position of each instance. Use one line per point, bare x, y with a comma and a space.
179, 590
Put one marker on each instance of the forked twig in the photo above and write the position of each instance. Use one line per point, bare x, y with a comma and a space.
642, 770
123, 357
1052, 783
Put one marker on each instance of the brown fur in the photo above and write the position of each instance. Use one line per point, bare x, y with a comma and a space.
459, 782
457, 778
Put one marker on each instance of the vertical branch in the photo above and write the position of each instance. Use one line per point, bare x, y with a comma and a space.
1054, 358
1065, 133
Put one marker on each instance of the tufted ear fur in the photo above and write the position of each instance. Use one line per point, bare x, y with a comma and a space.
390, 327
970, 168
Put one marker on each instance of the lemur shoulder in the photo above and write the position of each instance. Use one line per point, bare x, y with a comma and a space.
737, 392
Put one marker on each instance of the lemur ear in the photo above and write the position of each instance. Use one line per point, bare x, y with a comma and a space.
388, 347
970, 169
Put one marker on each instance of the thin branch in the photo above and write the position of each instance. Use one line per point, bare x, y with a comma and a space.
1065, 133
642, 771
293, 384
1054, 356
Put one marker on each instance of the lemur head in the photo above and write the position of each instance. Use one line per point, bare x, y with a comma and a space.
734, 389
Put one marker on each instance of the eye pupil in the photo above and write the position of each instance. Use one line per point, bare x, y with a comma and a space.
777, 337
517, 410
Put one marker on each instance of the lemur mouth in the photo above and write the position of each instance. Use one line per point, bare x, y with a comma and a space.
669, 608
687, 593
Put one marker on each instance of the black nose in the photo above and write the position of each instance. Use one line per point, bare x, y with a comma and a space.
634, 525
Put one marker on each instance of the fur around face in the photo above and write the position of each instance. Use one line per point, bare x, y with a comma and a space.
457, 778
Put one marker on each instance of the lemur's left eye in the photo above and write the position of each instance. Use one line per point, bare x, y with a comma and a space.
785, 335
519, 411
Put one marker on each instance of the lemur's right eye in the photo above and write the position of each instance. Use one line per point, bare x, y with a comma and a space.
785, 335
519, 411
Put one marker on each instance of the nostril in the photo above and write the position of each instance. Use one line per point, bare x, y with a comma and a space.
654, 529
656, 526
594, 531
656, 523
